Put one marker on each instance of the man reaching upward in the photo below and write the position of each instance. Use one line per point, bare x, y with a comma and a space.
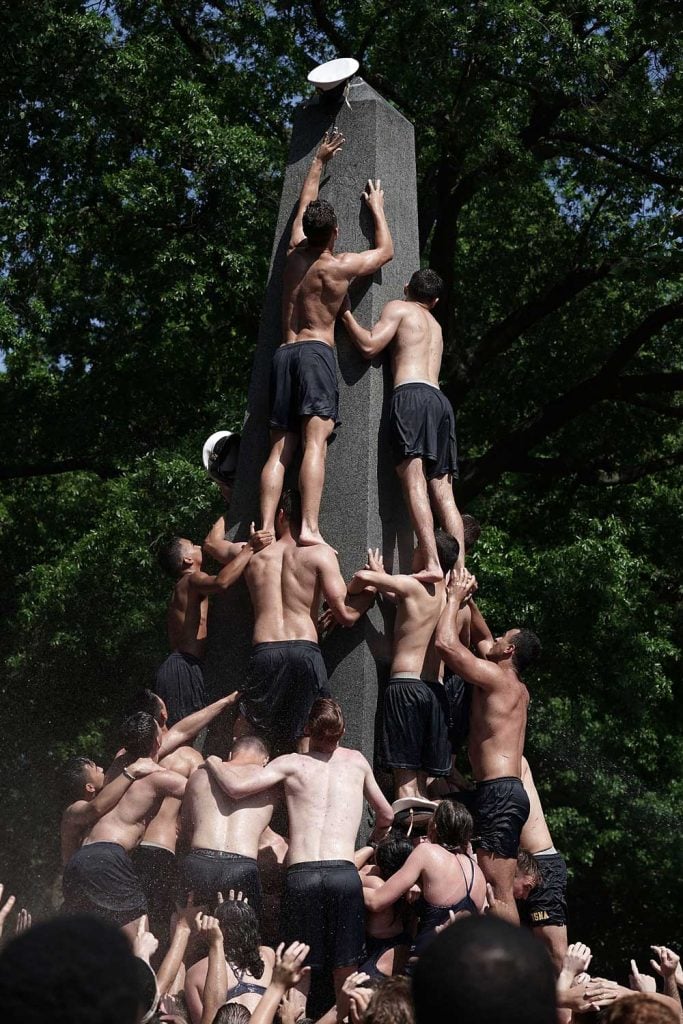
422, 421
500, 699
304, 396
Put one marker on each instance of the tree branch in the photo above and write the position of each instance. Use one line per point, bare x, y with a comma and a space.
601, 472
25, 470
646, 171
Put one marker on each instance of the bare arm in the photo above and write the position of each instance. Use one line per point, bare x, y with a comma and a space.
370, 342
345, 605
399, 585
205, 584
449, 645
238, 785
384, 815
480, 634
189, 727
216, 984
386, 895
217, 545
361, 264
169, 783
331, 144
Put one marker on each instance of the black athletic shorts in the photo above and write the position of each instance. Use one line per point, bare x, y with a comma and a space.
415, 726
157, 870
208, 872
459, 695
323, 907
422, 423
180, 684
547, 903
283, 681
500, 808
303, 382
99, 879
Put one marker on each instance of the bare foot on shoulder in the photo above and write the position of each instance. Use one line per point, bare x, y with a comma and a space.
429, 575
307, 538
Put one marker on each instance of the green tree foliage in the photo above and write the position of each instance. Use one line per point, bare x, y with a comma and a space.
143, 146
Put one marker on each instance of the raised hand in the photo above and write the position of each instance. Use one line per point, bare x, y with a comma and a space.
577, 959
600, 992
290, 1012
144, 944
332, 142
23, 922
641, 982
5, 910
289, 970
259, 539
187, 915
374, 195
461, 586
669, 964
359, 1000
375, 560
208, 927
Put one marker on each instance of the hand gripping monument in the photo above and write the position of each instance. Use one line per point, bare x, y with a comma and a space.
362, 505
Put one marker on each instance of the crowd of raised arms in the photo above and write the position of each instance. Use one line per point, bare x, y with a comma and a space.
231, 888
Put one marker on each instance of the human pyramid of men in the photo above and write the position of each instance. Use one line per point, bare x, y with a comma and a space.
376, 909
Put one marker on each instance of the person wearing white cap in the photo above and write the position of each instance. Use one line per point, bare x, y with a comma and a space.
304, 393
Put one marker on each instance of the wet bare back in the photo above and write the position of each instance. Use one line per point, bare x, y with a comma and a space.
324, 794
314, 286
416, 618
186, 619
126, 823
213, 821
283, 583
417, 348
497, 728
163, 828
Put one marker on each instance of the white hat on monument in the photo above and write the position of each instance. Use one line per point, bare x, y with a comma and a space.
219, 455
333, 73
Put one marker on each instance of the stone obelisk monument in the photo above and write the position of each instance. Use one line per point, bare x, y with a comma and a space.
362, 503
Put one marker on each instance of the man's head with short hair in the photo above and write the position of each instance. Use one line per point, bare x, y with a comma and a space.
391, 1003
319, 223
471, 530
325, 722
178, 554
425, 286
483, 970
289, 508
527, 875
451, 825
520, 646
141, 735
82, 779
447, 549
639, 1008
148, 701
250, 750
232, 1013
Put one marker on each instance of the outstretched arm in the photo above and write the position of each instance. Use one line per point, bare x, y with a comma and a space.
385, 583
188, 728
238, 784
480, 634
371, 342
360, 264
386, 895
450, 646
384, 814
223, 550
205, 584
331, 145
347, 604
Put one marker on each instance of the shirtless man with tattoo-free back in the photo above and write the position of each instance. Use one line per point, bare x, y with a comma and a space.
497, 728
421, 418
304, 379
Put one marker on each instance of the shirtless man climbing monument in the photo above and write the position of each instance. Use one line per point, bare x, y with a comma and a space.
415, 720
500, 805
324, 790
304, 396
422, 421
286, 583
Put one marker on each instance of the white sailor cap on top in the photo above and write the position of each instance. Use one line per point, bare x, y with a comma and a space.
219, 455
328, 76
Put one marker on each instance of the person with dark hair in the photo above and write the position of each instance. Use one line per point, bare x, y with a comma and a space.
303, 385
324, 791
70, 971
527, 875
500, 699
483, 970
286, 670
544, 909
180, 680
391, 1003
448, 877
99, 878
421, 417
223, 834
415, 721
90, 797
249, 964
387, 936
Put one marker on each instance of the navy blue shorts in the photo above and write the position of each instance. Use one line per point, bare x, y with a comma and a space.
422, 424
500, 809
303, 382
415, 726
323, 907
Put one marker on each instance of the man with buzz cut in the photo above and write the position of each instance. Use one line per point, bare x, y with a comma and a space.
421, 417
304, 395
180, 680
500, 804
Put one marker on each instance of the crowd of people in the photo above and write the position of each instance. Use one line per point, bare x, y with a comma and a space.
230, 888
